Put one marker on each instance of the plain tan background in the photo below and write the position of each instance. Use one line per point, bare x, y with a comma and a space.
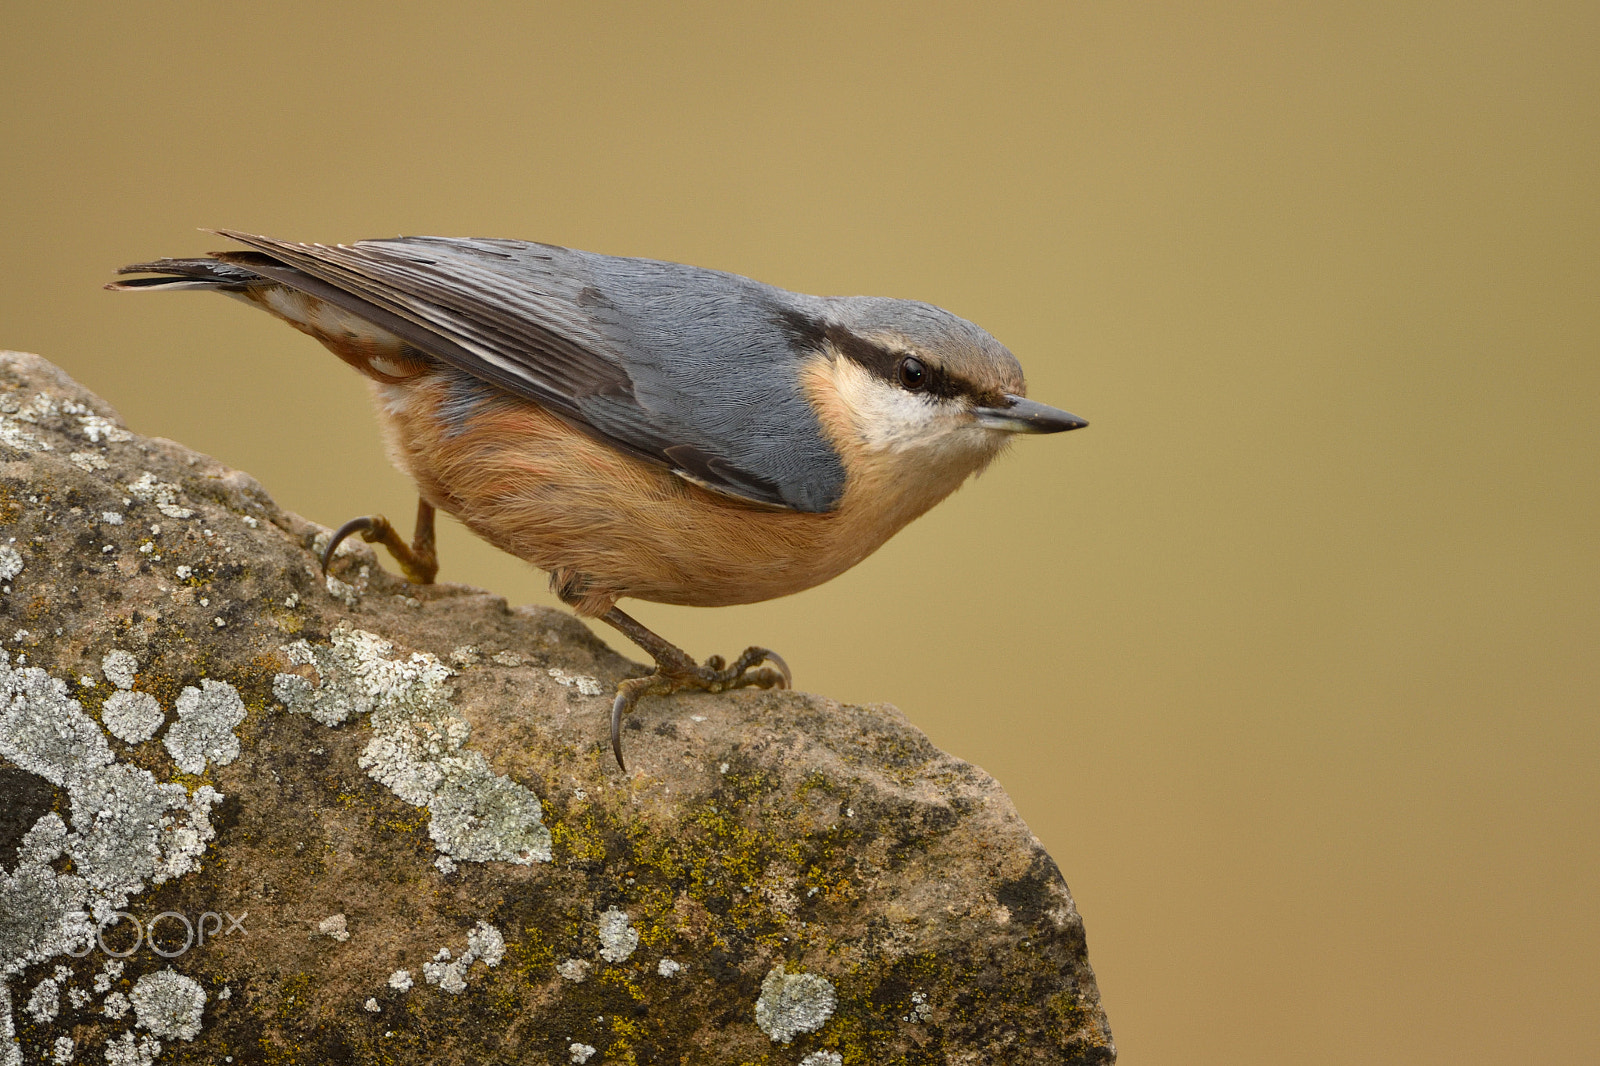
1292, 659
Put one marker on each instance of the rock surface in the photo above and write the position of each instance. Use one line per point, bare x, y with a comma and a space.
363, 821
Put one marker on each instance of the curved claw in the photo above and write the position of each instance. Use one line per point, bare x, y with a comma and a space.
364, 524
629, 693
783, 667
619, 707
743, 673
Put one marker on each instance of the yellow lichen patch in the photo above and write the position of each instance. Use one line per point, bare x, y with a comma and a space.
294, 1000
190, 782
833, 886
287, 622
628, 1035
164, 687
813, 781
1068, 1011
254, 681
578, 840
37, 608
10, 506
531, 956
405, 820
93, 699
620, 978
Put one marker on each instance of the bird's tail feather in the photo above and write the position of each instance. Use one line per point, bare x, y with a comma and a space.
205, 274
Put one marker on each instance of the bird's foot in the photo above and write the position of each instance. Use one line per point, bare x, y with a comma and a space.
418, 560
675, 672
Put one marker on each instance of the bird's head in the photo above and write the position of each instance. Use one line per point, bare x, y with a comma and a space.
913, 394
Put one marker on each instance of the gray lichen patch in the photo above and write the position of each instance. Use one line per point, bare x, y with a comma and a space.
586, 685
45, 1001
160, 493
418, 749
44, 731
88, 461
11, 562
794, 1003
46, 409
169, 1004
574, 970
131, 717
355, 675
120, 667
127, 830
335, 926
110, 972
477, 815
450, 976
484, 944
15, 437
618, 938
125, 1050
204, 729
98, 427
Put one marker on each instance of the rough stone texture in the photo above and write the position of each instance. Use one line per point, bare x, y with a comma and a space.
432, 769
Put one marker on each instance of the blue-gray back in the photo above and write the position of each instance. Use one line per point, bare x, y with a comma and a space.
692, 368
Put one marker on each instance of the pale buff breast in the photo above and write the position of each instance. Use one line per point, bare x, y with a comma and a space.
610, 526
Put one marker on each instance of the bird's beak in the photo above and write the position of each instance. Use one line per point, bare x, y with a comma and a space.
1022, 415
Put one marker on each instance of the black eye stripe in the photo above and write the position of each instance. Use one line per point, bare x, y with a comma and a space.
934, 382
814, 334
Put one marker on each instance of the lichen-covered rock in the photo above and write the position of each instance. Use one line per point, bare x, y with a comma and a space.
249, 813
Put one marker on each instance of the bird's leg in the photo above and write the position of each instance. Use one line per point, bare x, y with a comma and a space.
418, 559
675, 671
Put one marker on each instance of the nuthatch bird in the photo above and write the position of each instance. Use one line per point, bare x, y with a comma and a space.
640, 428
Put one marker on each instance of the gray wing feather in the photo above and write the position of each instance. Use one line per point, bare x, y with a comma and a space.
687, 367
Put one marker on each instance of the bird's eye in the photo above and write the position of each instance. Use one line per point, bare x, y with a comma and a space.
913, 375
